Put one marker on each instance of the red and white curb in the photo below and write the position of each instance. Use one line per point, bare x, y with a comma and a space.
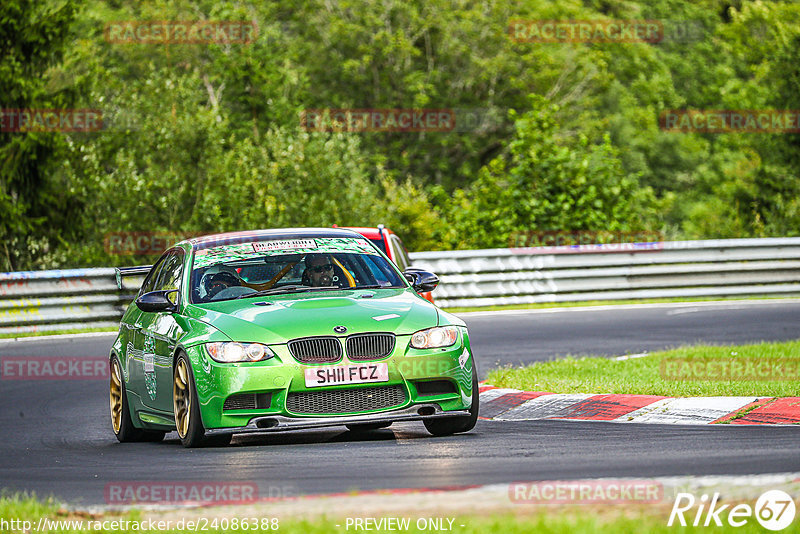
516, 405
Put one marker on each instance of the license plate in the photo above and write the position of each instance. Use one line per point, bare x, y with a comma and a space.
347, 374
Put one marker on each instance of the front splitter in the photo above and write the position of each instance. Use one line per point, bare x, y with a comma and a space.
277, 423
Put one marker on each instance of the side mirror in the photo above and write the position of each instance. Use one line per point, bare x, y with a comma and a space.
421, 281
157, 301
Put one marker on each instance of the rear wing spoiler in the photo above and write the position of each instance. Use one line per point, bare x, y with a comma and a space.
130, 271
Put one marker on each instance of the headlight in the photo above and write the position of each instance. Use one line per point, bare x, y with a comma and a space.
431, 338
229, 352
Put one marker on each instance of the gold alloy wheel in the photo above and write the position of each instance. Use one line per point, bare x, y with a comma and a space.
115, 396
181, 398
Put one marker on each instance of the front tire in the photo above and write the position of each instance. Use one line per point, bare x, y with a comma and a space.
188, 422
121, 422
446, 426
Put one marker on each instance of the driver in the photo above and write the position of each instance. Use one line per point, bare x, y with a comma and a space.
319, 270
219, 281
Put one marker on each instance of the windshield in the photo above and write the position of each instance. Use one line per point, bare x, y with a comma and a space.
289, 266
381, 244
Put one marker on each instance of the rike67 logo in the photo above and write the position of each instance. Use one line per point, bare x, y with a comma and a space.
774, 510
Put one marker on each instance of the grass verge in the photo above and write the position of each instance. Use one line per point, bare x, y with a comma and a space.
587, 519
685, 372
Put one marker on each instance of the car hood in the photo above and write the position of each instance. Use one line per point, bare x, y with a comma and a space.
279, 318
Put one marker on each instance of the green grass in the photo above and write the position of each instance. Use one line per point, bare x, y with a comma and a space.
16, 505
547, 305
56, 332
645, 376
520, 519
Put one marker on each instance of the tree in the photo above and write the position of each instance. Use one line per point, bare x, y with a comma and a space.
550, 181
36, 202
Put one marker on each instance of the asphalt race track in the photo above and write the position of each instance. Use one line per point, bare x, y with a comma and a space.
56, 436
519, 337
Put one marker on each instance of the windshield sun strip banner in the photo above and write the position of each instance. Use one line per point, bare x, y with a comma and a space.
255, 249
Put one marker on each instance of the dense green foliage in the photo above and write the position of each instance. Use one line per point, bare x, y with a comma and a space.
208, 137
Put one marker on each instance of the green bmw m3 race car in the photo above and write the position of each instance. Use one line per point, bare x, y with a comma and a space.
285, 329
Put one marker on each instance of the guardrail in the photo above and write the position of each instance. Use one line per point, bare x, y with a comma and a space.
89, 298
63, 299
712, 268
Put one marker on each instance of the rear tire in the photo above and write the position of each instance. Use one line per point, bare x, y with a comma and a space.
446, 426
121, 422
367, 427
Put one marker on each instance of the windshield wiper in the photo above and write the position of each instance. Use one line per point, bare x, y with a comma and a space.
287, 289
373, 286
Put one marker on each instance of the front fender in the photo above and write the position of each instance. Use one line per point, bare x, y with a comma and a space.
197, 332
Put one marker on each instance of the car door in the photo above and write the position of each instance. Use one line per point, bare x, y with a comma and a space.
136, 340
160, 333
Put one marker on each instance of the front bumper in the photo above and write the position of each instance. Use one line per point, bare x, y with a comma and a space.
281, 376
272, 423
